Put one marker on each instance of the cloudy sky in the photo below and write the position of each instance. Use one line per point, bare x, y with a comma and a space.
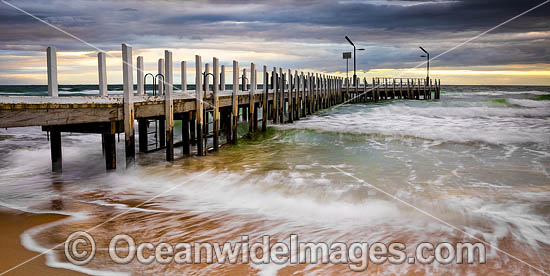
305, 35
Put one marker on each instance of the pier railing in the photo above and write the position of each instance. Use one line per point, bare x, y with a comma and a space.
210, 114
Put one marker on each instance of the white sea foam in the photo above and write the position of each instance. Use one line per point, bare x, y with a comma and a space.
264, 196
529, 103
494, 125
492, 93
28, 241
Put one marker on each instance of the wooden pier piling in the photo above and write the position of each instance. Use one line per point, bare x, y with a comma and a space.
128, 87
109, 144
185, 133
265, 99
222, 79
281, 97
290, 98
235, 103
169, 106
252, 101
215, 94
56, 150
199, 106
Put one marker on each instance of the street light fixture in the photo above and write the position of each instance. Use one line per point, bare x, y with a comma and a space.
354, 60
427, 56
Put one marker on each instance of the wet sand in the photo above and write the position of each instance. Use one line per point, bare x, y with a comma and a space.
12, 225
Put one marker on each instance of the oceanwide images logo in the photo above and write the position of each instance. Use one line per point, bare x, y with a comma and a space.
80, 249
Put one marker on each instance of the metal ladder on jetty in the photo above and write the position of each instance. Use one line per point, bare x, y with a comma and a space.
155, 131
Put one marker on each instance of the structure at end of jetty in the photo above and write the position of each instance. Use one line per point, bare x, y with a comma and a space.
210, 114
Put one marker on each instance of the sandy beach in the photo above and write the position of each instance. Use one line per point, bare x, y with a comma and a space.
13, 224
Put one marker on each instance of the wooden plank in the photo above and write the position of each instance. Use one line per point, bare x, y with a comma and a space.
51, 116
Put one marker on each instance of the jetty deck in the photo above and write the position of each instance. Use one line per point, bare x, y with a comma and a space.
208, 113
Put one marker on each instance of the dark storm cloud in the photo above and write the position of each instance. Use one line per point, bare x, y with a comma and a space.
391, 30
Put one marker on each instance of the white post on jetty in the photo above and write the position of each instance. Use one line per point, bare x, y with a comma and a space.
184, 76
128, 85
161, 80
102, 71
169, 105
51, 58
222, 79
140, 74
206, 86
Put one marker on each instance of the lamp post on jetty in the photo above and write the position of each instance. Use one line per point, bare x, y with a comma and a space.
427, 56
354, 60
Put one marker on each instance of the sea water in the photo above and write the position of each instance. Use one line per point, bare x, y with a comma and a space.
471, 166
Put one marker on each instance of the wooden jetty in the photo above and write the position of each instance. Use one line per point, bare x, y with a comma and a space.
209, 113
